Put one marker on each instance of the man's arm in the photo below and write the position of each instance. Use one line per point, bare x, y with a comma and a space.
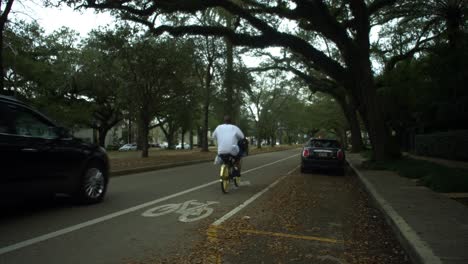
239, 134
215, 134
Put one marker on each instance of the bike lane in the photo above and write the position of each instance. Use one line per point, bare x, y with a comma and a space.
142, 234
306, 218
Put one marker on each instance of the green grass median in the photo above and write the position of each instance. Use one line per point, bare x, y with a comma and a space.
132, 160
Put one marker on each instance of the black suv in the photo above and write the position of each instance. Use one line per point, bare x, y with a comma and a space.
39, 157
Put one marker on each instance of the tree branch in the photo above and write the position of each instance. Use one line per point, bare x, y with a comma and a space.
271, 39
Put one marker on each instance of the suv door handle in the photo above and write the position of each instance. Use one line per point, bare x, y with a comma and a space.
29, 150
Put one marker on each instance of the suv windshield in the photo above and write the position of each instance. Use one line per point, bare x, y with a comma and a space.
324, 144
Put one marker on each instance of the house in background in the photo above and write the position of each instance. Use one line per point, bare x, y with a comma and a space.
90, 135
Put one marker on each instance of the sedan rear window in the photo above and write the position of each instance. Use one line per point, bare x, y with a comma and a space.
324, 144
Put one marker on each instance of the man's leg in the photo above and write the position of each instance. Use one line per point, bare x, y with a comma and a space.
238, 165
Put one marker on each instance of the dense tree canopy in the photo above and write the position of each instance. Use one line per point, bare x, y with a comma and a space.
392, 68
260, 24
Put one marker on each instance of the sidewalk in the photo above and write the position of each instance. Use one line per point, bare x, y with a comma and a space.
432, 228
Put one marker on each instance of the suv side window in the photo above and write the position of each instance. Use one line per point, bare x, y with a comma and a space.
28, 124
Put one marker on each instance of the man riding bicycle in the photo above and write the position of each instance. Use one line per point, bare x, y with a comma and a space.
227, 136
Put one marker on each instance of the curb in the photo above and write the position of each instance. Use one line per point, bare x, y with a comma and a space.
418, 251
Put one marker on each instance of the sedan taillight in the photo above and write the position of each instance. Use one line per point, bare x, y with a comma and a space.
305, 153
340, 155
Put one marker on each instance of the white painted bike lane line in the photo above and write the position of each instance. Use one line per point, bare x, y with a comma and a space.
73, 228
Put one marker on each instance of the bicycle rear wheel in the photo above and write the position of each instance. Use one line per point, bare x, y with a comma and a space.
224, 180
237, 178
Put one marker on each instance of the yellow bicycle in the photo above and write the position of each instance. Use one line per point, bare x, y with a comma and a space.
227, 173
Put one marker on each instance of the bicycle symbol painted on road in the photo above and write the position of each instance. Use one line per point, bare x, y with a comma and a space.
189, 211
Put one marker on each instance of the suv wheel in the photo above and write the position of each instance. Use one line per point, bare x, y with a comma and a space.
93, 184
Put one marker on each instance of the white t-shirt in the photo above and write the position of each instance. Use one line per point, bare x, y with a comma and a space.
227, 136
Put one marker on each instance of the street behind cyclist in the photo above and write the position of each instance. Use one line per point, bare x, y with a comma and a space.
228, 137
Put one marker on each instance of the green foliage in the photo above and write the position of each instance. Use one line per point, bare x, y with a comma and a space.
275, 108
325, 116
367, 154
447, 180
428, 93
448, 145
437, 177
42, 70
113, 147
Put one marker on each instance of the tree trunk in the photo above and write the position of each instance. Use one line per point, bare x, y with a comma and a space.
102, 133
342, 136
144, 135
453, 21
170, 141
170, 136
95, 136
259, 136
143, 132
182, 138
383, 144
200, 137
206, 112
129, 136
356, 138
2, 71
191, 138
228, 82
349, 110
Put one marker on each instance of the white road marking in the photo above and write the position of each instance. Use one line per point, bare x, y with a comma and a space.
245, 183
190, 211
253, 198
67, 230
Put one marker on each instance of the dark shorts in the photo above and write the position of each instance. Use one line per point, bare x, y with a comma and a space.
225, 157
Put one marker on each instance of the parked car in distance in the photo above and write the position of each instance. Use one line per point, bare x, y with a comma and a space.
164, 145
128, 147
323, 154
154, 145
39, 157
179, 146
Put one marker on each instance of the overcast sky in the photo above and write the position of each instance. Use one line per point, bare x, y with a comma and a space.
53, 18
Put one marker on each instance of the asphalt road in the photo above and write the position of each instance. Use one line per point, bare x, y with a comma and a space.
128, 227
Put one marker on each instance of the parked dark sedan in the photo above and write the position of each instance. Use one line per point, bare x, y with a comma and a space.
39, 157
323, 154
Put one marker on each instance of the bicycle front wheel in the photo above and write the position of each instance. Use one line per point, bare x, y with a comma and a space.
225, 186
